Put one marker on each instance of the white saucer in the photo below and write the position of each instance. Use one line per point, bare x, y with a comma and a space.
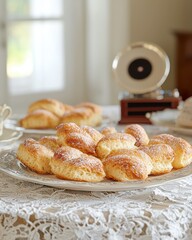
9, 136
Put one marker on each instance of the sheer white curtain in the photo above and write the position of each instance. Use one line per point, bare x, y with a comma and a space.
107, 32
3, 83
95, 30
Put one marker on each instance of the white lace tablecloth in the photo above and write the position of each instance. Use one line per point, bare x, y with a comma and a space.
32, 211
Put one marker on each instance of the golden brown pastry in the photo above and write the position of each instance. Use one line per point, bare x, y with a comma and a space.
71, 164
35, 156
95, 135
139, 133
108, 130
69, 134
161, 155
114, 141
39, 119
85, 118
51, 105
79, 116
50, 142
125, 165
182, 149
94, 107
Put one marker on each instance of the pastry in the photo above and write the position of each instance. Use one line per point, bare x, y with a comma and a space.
125, 165
39, 119
94, 134
108, 130
80, 116
161, 155
88, 114
182, 149
50, 142
35, 156
51, 105
114, 141
69, 134
94, 107
96, 117
139, 133
71, 164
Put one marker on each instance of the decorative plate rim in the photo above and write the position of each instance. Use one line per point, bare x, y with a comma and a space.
17, 135
12, 124
12, 167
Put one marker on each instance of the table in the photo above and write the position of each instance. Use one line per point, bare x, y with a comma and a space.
32, 211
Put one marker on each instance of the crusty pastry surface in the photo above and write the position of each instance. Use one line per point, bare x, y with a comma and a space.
94, 134
84, 114
108, 130
162, 157
40, 112
71, 164
94, 107
85, 154
50, 142
35, 156
69, 134
182, 149
39, 119
79, 116
114, 141
139, 133
125, 165
51, 105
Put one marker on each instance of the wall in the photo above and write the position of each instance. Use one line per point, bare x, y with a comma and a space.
156, 21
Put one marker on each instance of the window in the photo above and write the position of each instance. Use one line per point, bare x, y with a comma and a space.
35, 46
41, 51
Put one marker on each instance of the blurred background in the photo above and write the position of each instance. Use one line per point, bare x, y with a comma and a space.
64, 49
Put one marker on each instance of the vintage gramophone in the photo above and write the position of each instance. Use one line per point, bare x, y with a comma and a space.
141, 69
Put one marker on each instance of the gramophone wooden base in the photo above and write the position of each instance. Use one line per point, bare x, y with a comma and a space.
134, 110
141, 120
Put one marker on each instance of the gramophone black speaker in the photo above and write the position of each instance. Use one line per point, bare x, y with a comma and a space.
141, 69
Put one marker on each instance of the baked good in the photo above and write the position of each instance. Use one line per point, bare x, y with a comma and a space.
161, 155
35, 156
88, 114
94, 107
50, 142
182, 149
69, 134
139, 133
51, 105
94, 134
96, 118
108, 130
39, 119
71, 164
56, 112
114, 141
125, 165
80, 116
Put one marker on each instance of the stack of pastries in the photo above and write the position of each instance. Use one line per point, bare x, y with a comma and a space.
85, 154
49, 113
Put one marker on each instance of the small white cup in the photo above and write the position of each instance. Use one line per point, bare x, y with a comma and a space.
5, 112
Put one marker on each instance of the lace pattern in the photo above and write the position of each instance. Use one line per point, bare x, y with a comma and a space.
32, 211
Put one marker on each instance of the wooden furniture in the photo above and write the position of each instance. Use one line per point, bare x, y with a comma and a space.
134, 110
184, 63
